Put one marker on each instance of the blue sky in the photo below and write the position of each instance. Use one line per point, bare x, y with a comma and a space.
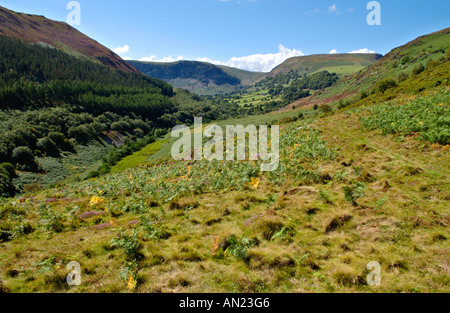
251, 34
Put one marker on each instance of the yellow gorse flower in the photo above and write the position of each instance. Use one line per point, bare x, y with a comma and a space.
131, 283
215, 246
255, 182
96, 200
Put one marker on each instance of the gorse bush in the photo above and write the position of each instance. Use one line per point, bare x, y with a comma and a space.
385, 84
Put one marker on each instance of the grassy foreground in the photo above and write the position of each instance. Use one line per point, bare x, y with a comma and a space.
346, 193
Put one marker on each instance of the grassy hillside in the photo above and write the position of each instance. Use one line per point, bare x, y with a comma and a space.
247, 78
399, 65
40, 30
333, 63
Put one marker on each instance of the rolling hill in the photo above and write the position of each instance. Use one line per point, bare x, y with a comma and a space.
199, 77
40, 30
333, 63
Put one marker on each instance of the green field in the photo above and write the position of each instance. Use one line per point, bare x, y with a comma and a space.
343, 69
138, 158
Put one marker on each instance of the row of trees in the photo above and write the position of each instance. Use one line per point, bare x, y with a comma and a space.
49, 131
300, 86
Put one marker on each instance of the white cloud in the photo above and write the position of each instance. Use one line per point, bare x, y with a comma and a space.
333, 8
122, 50
255, 62
312, 12
154, 58
365, 50
259, 62
334, 51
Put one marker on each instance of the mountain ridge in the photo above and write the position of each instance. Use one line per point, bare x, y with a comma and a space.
37, 29
200, 77
206, 78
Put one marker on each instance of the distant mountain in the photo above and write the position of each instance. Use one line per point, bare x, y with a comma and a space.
343, 64
199, 77
208, 79
40, 30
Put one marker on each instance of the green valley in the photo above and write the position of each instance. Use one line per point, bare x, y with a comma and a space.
87, 173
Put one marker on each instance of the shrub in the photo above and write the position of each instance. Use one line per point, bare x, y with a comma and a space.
8, 169
24, 159
405, 60
61, 141
286, 120
93, 174
402, 77
47, 146
418, 69
81, 133
7, 188
154, 230
128, 243
325, 108
343, 104
385, 84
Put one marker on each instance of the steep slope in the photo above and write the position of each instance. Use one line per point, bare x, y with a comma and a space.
414, 67
40, 30
199, 77
406, 58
